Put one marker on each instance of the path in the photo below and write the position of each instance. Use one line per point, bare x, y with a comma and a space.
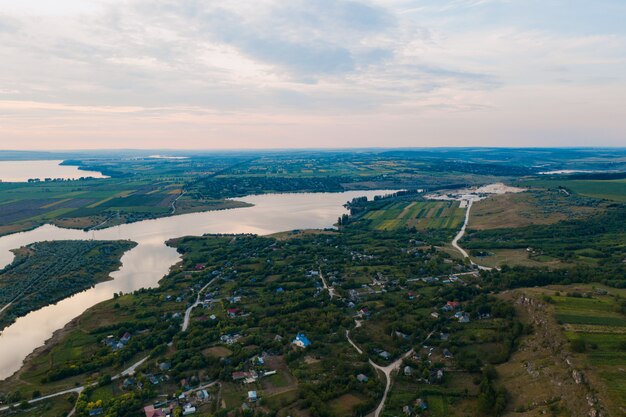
174, 202
455, 241
77, 390
331, 290
386, 370
197, 303
128, 371
5, 307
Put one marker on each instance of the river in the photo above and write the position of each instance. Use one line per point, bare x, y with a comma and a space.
22, 171
144, 265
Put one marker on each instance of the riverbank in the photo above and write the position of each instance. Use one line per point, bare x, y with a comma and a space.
45, 272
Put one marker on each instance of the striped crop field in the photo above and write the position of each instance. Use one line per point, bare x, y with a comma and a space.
419, 214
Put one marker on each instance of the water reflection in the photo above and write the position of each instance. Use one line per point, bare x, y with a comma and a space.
150, 260
22, 171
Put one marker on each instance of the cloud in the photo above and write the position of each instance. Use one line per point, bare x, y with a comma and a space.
388, 63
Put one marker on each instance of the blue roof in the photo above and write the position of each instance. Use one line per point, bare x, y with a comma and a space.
302, 338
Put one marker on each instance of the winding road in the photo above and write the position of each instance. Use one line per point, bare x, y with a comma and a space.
455, 241
386, 370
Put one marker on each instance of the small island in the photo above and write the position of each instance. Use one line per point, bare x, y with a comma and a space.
44, 273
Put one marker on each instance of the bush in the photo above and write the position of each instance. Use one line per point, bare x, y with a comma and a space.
578, 345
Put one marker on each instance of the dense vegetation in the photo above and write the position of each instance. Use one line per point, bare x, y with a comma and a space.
45, 272
397, 289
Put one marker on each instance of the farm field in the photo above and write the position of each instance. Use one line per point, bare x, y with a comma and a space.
90, 203
419, 214
614, 190
594, 322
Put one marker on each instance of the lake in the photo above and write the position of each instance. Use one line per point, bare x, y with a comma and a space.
22, 171
145, 264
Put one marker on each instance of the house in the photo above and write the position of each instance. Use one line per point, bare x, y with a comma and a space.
252, 397
465, 318
301, 341
202, 394
96, 412
444, 336
199, 267
152, 412
230, 339
128, 383
408, 371
238, 375
407, 410
189, 409
364, 312
126, 338
232, 312
421, 404
280, 290
434, 315
165, 366
362, 378
447, 354
153, 379
385, 355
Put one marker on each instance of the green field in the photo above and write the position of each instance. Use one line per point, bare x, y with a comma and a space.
419, 214
601, 324
614, 190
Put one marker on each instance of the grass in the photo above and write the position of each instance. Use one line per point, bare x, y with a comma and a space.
343, 405
419, 214
614, 190
601, 326
525, 209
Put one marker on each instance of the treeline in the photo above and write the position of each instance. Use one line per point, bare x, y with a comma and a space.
597, 240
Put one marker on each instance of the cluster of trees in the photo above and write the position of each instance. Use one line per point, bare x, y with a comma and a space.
45, 272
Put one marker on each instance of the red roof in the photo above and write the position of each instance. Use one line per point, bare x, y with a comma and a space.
454, 304
233, 310
151, 412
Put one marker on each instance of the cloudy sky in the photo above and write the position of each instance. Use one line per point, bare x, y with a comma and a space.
311, 73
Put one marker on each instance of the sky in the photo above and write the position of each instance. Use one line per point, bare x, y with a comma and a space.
94, 74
